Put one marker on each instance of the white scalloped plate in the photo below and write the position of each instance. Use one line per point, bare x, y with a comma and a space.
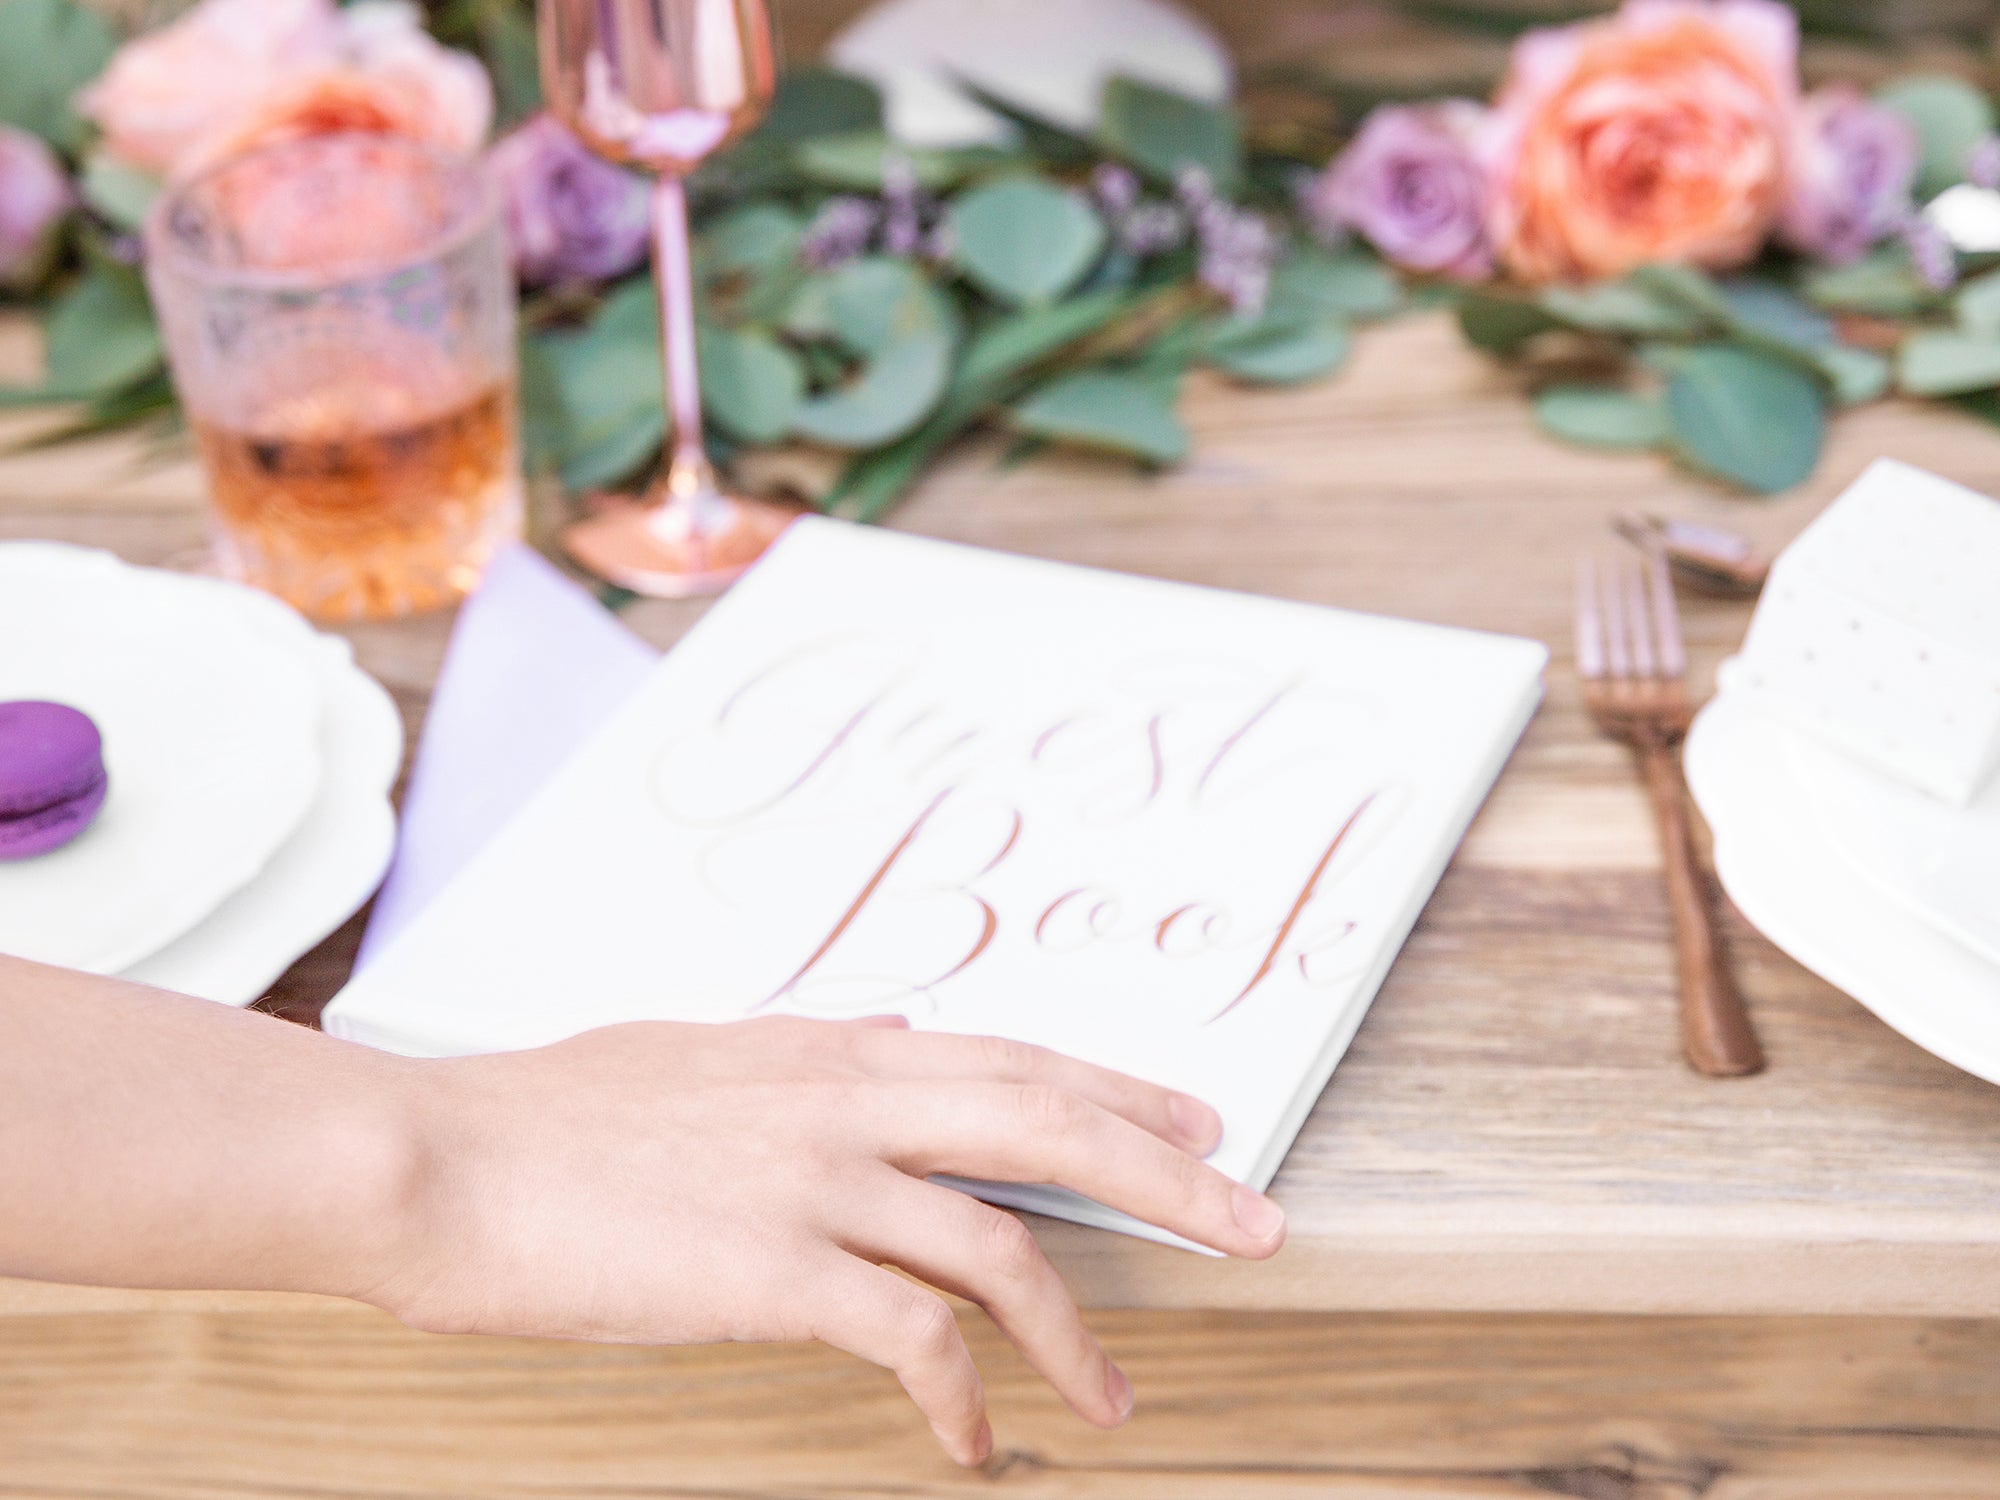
211, 737
324, 872
1788, 877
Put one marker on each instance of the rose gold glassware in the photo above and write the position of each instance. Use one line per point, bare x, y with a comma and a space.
1634, 670
660, 84
339, 315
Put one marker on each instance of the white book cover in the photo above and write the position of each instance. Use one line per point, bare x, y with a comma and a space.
1175, 831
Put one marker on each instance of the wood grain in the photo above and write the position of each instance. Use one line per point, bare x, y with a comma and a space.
1264, 1407
1513, 1129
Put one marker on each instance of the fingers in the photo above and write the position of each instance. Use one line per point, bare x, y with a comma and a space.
884, 1319
989, 1257
1037, 1133
1185, 1121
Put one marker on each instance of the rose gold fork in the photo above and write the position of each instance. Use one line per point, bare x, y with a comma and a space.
1634, 670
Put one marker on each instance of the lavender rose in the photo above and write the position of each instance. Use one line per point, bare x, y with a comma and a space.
1411, 184
570, 215
1848, 180
35, 198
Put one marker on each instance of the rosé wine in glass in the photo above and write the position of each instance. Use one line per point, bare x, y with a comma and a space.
339, 317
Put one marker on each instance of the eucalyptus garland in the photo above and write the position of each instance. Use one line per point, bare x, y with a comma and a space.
865, 305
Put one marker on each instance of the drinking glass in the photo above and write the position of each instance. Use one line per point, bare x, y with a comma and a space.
660, 84
339, 318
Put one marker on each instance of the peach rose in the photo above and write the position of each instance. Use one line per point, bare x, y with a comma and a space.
1655, 134
164, 90
233, 75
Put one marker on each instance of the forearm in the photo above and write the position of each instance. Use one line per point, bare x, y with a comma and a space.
149, 1139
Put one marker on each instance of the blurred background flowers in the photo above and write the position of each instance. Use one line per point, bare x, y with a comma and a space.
1702, 226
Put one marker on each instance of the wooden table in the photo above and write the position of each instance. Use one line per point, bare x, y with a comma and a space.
1510, 1166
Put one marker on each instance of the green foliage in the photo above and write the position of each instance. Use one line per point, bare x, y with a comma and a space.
1316, 283
1950, 116
751, 385
101, 335
1161, 132
1602, 416
120, 193
1023, 239
1745, 416
1882, 284
1945, 362
1115, 412
48, 50
905, 332
1279, 350
813, 102
1501, 324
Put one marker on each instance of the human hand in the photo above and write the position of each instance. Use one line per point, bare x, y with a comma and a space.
676, 1184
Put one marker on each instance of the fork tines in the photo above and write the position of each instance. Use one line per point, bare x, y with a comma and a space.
1627, 626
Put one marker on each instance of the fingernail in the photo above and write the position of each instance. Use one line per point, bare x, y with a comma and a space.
892, 1022
1257, 1215
982, 1446
1119, 1389
1194, 1121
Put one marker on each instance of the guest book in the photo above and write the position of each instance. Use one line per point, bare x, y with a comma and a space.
1178, 832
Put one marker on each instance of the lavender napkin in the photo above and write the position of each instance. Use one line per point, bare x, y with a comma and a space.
535, 665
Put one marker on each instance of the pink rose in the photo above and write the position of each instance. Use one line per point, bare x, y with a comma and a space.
1852, 165
1412, 185
1655, 134
35, 198
166, 89
232, 75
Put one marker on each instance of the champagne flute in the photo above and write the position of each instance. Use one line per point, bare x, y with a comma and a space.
660, 84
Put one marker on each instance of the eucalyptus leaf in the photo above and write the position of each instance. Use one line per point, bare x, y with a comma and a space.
1856, 375
1745, 416
1023, 239
100, 333
1950, 117
1943, 362
1976, 304
753, 237
1501, 325
751, 385
906, 331
48, 50
1602, 416
1018, 341
1284, 353
1882, 283
121, 194
1347, 284
1052, 142
1622, 307
858, 163
820, 102
1162, 132
1105, 410
1765, 310
1690, 286
896, 390
593, 397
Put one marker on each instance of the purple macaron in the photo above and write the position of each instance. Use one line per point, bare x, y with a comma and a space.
52, 779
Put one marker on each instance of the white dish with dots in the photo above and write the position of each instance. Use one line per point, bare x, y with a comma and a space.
1879, 631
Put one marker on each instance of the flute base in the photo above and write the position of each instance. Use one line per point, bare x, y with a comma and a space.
632, 543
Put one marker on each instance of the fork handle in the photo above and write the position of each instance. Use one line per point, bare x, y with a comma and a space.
1715, 1029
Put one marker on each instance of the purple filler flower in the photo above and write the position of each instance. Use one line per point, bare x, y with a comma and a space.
569, 214
1852, 163
35, 198
1411, 184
